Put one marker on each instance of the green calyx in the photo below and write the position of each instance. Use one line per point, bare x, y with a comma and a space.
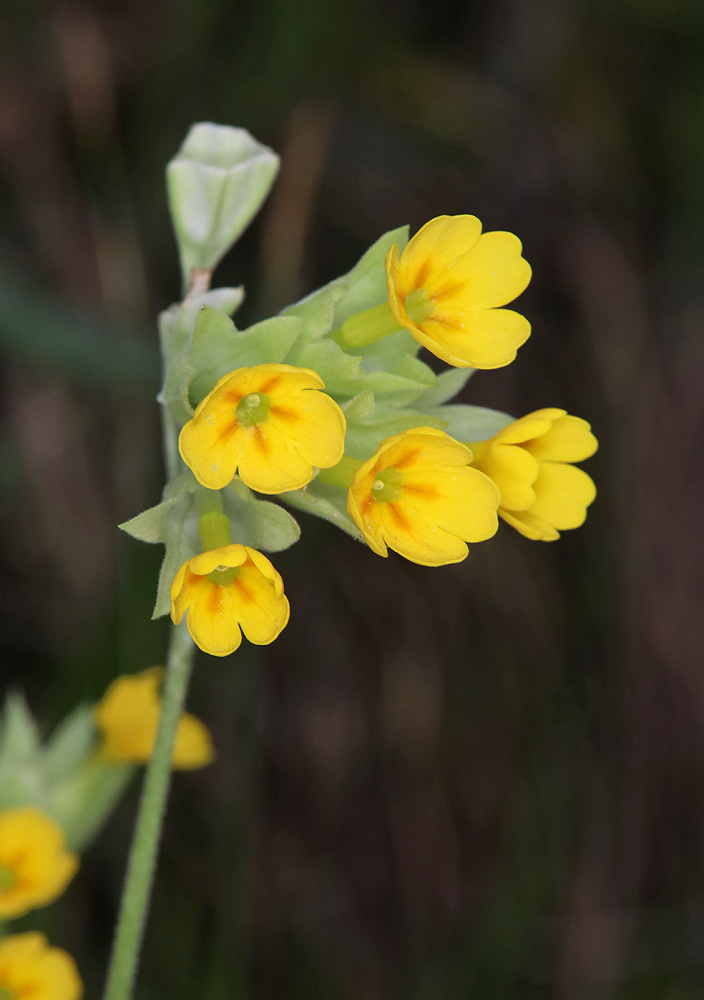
253, 409
224, 576
366, 327
388, 485
419, 305
214, 529
341, 474
7, 880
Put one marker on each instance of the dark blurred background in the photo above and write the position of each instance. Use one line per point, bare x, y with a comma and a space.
481, 781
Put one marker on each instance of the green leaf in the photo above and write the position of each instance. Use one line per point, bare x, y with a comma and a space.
449, 383
258, 523
323, 500
364, 436
471, 423
339, 371
317, 310
180, 535
218, 347
216, 183
367, 279
19, 738
84, 800
152, 525
72, 742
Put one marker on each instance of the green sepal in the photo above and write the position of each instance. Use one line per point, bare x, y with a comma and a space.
176, 326
364, 436
260, 524
317, 310
471, 423
21, 781
323, 500
216, 183
360, 406
449, 383
73, 740
218, 347
82, 803
367, 285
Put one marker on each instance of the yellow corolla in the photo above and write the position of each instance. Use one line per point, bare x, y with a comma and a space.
35, 866
542, 493
128, 718
227, 591
270, 423
448, 284
418, 496
29, 967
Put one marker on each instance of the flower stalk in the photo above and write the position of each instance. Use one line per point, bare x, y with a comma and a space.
145, 842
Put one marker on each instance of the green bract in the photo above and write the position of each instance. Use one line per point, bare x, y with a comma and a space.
216, 183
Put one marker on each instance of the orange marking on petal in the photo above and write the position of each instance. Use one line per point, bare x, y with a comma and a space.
398, 515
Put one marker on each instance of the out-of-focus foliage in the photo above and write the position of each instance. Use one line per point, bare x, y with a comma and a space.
484, 780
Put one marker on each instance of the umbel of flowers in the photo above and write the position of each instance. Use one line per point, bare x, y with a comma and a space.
329, 407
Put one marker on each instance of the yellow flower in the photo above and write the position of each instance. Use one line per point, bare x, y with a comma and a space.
542, 493
35, 866
447, 284
128, 717
418, 496
271, 423
30, 968
227, 591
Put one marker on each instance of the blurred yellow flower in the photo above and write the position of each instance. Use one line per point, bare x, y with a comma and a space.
270, 423
227, 591
446, 288
30, 968
128, 718
418, 495
542, 493
35, 866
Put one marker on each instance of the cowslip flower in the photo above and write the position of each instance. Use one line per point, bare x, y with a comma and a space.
29, 967
270, 423
418, 496
542, 493
448, 284
128, 718
227, 591
35, 866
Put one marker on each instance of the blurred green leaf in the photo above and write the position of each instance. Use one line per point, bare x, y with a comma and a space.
258, 523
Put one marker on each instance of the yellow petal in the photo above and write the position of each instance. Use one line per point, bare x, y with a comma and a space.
271, 463
226, 555
434, 248
486, 338
514, 471
569, 440
210, 446
261, 612
193, 746
491, 274
562, 495
462, 501
315, 423
210, 620
531, 526
533, 425
416, 538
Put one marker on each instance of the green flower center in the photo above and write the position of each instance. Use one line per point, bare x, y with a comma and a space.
223, 576
7, 880
388, 485
6, 993
253, 409
419, 305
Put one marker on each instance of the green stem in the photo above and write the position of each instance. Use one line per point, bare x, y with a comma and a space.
145, 841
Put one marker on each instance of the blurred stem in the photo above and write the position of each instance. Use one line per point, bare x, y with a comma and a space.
145, 841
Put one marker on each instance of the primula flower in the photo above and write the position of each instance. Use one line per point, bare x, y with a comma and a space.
446, 288
30, 968
227, 591
418, 495
542, 493
128, 718
35, 866
270, 423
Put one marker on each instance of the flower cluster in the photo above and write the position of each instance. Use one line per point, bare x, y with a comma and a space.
329, 406
53, 800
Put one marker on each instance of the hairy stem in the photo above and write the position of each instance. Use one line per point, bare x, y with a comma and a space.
145, 841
